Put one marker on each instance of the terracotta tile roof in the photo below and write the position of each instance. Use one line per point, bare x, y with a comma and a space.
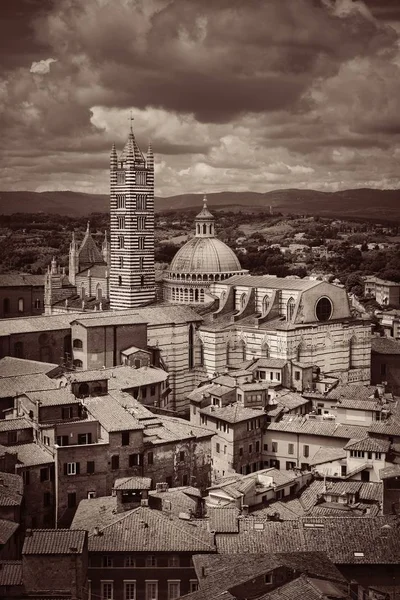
21, 279
308, 588
11, 366
345, 540
327, 454
54, 541
301, 424
31, 455
288, 510
10, 572
368, 444
268, 363
173, 429
390, 427
111, 415
132, 483
7, 530
384, 345
35, 324
274, 283
390, 471
95, 512
55, 397
177, 500
15, 424
371, 491
10, 387
351, 392
106, 319
11, 489
205, 391
335, 509
233, 413
290, 400
355, 404
147, 530
223, 520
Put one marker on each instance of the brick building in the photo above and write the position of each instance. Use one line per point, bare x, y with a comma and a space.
21, 295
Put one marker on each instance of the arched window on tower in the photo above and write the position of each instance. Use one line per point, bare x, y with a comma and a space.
204, 228
141, 280
99, 292
191, 347
265, 350
290, 309
119, 279
141, 263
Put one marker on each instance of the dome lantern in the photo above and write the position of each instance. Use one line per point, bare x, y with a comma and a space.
205, 222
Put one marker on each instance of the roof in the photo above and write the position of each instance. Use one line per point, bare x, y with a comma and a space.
171, 429
233, 413
95, 512
308, 588
355, 404
12, 386
88, 252
7, 530
11, 489
205, 255
54, 541
290, 400
104, 320
37, 324
132, 483
287, 509
390, 471
21, 279
11, 366
346, 540
384, 345
31, 455
98, 271
55, 397
275, 283
15, 424
301, 424
327, 454
223, 519
351, 391
389, 427
268, 363
368, 444
147, 530
111, 415
181, 499
10, 572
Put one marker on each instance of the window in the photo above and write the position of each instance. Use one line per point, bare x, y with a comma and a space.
174, 589
134, 460
12, 437
84, 438
225, 448
274, 446
268, 578
66, 412
121, 201
151, 560
121, 222
141, 178
121, 242
152, 390
6, 305
173, 560
120, 177
151, 590
217, 447
141, 243
150, 458
26, 477
90, 466
290, 465
181, 456
77, 344
250, 448
306, 451
141, 200
141, 223
91, 494
125, 438
290, 309
107, 590
278, 376
297, 375
46, 499
121, 262
257, 446
19, 350
20, 305
71, 468
240, 451
323, 309
144, 393
106, 561
115, 462
46, 440
265, 447
129, 590
193, 585
62, 440
378, 455
72, 500
119, 280
44, 474
130, 561
78, 363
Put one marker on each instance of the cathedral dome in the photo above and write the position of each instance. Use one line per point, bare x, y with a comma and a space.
205, 255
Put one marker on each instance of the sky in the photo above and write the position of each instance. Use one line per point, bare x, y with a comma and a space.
234, 95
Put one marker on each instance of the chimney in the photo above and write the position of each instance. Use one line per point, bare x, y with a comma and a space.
28, 533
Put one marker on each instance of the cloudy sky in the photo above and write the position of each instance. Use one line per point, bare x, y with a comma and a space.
234, 95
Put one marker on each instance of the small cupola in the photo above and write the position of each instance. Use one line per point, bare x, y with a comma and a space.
205, 222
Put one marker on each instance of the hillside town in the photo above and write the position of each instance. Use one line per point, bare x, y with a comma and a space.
195, 430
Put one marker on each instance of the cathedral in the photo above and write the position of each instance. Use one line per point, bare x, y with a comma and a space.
302, 323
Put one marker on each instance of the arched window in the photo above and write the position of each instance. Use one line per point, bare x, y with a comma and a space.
222, 298
243, 348
78, 363
141, 263
210, 228
19, 350
227, 353
67, 347
121, 262
83, 388
191, 346
141, 280
242, 301
198, 228
196, 295
265, 305
201, 357
77, 344
99, 292
265, 350
290, 309
20, 305
6, 305
204, 228
83, 292
201, 295
119, 279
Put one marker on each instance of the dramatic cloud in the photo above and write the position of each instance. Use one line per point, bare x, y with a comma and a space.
233, 95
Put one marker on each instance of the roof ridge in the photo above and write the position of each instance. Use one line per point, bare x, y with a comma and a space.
123, 516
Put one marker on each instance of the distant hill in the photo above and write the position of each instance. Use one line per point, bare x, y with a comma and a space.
364, 202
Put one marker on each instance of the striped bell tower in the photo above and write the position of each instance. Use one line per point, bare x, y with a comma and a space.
132, 280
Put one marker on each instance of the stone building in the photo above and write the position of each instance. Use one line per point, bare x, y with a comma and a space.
21, 295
